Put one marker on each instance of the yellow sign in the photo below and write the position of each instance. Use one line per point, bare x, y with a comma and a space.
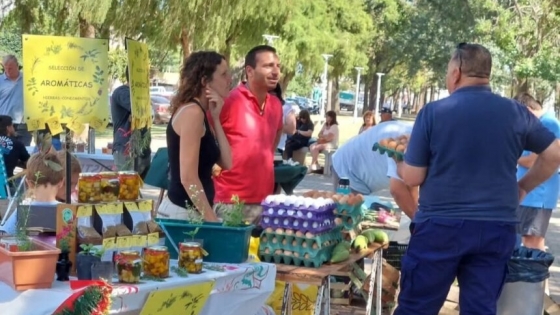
84, 211
303, 298
145, 206
153, 238
66, 78
109, 243
139, 75
54, 125
139, 240
131, 206
75, 126
183, 300
124, 242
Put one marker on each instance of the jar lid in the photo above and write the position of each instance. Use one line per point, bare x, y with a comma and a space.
344, 181
89, 174
129, 252
128, 173
190, 244
158, 248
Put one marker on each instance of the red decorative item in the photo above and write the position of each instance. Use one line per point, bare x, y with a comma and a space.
80, 287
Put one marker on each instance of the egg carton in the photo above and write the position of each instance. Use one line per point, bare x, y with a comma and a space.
280, 211
349, 222
388, 151
290, 260
350, 210
294, 242
315, 249
302, 225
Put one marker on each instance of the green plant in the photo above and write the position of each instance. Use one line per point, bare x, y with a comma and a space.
234, 217
194, 217
90, 249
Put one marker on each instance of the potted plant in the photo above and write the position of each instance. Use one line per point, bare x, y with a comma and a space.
63, 264
87, 257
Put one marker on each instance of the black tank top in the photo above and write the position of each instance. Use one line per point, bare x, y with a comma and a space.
209, 155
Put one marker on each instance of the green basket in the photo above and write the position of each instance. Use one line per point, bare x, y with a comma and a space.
224, 244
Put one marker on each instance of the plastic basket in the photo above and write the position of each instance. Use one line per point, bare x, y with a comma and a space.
394, 254
224, 244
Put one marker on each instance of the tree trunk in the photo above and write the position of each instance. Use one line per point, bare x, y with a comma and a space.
227, 49
433, 92
285, 81
87, 30
335, 100
186, 42
522, 85
372, 95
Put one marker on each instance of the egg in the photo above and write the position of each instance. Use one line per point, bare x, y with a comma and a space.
290, 212
309, 215
392, 144
276, 221
360, 197
270, 211
274, 240
266, 219
281, 211
307, 256
294, 243
335, 197
308, 193
269, 230
315, 246
289, 232
343, 200
309, 235
278, 252
299, 214
315, 225
383, 142
296, 254
304, 245
267, 250
264, 239
400, 148
287, 253
269, 199
295, 223
279, 231
299, 234
285, 242
286, 221
305, 224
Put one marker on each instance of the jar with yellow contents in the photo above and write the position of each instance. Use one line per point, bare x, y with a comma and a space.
129, 266
89, 187
130, 183
190, 257
109, 182
156, 262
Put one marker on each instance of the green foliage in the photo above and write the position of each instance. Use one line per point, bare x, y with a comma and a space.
118, 61
302, 84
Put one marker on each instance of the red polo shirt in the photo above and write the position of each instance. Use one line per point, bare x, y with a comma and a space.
251, 134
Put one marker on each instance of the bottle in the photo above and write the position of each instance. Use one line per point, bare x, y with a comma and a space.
343, 186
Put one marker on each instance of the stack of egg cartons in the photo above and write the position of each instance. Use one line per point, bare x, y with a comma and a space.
298, 230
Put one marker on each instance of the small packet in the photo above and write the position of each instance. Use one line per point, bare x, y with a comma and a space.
140, 215
87, 234
111, 220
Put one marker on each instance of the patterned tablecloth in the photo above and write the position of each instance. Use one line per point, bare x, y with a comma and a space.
239, 289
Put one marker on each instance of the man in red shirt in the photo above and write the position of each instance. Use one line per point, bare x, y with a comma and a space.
252, 122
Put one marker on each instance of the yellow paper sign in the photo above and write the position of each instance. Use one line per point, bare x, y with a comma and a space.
114, 208
65, 77
84, 211
54, 125
109, 243
139, 74
145, 206
97, 123
303, 298
182, 300
131, 206
35, 124
102, 209
139, 240
153, 239
124, 242
76, 126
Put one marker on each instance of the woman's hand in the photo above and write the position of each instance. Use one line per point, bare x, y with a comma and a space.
215, 103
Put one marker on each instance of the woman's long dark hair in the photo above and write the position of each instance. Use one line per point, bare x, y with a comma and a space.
304, 114
278, 92
199, 65
332, 115
5, 122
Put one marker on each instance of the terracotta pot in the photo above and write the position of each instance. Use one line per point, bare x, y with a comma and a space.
63, 266
83, 265
29, 270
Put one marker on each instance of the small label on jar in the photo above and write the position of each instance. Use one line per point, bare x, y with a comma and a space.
198, 261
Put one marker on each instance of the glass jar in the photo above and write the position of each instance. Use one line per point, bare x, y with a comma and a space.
89, 187
156, 262
129, 266
190, 257
109, 182
129, 186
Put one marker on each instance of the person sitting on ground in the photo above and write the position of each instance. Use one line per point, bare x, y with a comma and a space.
328, 139
75, 169
369, 121
304, 131
14, 151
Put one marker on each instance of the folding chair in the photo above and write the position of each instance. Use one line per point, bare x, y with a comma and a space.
156, 177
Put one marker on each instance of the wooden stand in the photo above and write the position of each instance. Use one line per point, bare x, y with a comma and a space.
320, 277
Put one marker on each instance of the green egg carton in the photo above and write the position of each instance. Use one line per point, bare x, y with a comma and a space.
265, 257
375, 147
347, 209
355, 220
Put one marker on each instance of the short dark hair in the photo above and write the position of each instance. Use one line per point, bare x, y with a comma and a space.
278, 92
251, 57
474, 60
528, 100
5, 122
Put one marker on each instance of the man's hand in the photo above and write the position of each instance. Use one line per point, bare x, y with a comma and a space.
522, 193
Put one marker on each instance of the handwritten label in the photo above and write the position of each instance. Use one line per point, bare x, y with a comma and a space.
114, 208
84, 211
145, 206
182, 300
131, 206
139, 240
102, 209
124, 242
153, 238
35, 124
109, 243
97, 123
54, 125
76, 126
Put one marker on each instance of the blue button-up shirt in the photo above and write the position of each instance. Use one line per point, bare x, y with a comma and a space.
11, 98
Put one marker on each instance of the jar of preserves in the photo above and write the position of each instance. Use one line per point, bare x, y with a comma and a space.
190, 257
130, 183
156, 262
89, 187
109, 182
129, 266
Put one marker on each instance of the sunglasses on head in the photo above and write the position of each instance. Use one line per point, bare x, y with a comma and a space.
460, 48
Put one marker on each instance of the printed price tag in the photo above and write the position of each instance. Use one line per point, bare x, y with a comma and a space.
153, 239
145, 206
124, 242
54, 125
84, 211
131, 206
109, 243
140, 240
102, 209
35, 124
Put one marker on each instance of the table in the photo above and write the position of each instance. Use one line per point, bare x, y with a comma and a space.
239, 289
91, 163
288, 177
320, 277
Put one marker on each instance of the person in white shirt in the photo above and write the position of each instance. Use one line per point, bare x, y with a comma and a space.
367, 169
289, 117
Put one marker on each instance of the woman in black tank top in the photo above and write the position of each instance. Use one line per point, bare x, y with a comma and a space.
194, 145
